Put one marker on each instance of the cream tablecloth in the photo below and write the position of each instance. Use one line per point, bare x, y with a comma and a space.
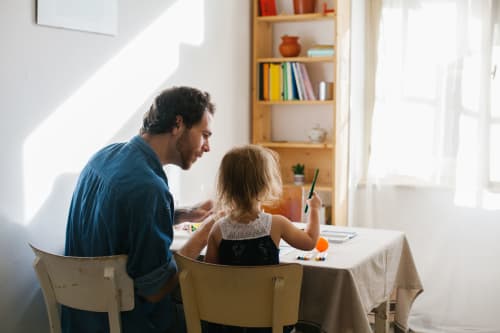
356, 277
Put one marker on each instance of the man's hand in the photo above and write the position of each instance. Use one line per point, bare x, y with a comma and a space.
201, 211
197, 213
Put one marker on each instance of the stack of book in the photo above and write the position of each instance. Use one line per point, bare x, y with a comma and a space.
321, 50
285, 81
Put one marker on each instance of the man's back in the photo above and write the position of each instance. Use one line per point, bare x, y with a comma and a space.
122, 205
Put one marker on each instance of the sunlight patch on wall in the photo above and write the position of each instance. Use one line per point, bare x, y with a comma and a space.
101, 106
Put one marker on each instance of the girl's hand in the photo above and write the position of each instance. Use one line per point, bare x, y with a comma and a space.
315, 201
209, 220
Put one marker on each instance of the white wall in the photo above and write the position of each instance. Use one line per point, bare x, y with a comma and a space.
52, 118
455, 250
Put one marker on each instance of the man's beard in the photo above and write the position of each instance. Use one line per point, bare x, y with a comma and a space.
184, 150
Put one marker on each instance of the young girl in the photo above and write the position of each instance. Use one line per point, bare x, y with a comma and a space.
249, 176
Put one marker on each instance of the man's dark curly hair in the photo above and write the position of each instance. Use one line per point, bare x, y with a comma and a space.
189, 103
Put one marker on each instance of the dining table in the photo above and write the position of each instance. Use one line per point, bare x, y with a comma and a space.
355, 276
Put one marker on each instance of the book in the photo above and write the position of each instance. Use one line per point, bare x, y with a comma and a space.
322, 46
267, 7
284, 82
320, 52
289, 82
298, 81
309, 92
274, 82
265, 84
261, 82
293, 84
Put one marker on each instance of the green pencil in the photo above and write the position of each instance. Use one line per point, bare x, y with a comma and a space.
311, 191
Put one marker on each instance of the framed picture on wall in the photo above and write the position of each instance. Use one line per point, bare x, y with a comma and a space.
99, 16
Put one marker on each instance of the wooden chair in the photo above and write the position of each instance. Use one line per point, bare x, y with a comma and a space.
247, 296
98, 284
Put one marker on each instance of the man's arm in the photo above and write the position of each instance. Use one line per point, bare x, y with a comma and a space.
167, 288
192, 249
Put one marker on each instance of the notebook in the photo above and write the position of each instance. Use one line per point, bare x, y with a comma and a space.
337, 236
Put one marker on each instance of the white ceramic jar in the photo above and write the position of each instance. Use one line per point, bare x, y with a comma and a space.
316, 134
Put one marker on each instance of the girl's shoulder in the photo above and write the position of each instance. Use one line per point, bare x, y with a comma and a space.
278, 223
216, 229
279, 219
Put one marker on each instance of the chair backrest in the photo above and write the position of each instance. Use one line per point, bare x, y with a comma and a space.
99, 284
247, 296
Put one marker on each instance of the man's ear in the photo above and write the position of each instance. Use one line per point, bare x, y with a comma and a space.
179, 121
179, 124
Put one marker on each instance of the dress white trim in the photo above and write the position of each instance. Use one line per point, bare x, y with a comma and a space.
259, 227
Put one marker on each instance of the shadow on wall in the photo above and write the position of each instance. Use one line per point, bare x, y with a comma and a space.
50, 220
20, 288
18, 281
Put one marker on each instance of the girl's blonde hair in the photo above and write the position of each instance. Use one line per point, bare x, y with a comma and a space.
246, 175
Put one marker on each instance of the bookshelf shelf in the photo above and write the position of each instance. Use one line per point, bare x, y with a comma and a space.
296, 18
295, 144
297, 59
328, 102
282, 116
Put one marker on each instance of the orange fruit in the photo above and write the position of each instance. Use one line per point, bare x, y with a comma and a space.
322, 244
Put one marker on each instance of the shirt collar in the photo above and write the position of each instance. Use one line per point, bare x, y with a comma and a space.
149, 153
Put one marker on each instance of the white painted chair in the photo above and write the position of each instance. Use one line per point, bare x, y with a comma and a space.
98, 284
247, 296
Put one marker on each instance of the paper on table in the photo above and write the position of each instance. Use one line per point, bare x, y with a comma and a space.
338, 236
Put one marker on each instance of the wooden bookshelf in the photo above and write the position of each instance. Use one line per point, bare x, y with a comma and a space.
330, 156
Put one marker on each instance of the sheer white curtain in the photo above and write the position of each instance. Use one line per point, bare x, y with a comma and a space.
436, 117
432, 164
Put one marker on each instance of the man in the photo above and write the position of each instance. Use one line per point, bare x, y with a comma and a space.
122, 205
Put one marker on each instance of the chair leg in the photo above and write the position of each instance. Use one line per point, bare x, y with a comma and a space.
48, 295
114, 306
381, 318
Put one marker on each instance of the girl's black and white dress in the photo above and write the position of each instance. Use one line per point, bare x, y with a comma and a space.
246, 244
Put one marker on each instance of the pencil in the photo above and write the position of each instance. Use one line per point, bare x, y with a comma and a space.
311, 191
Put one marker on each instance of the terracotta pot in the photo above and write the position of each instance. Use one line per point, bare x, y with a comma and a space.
289, 46
304, 6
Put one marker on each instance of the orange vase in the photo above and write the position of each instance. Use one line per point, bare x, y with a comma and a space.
289, 46
304, 6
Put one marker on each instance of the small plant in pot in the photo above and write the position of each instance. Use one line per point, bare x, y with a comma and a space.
298, 174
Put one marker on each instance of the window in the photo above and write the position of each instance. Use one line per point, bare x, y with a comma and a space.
436, 118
